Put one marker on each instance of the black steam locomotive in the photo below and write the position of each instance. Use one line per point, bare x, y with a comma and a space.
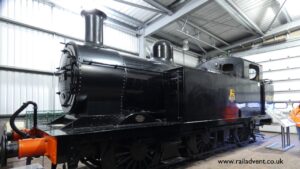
127, 112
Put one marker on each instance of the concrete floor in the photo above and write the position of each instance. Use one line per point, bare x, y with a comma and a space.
255, 151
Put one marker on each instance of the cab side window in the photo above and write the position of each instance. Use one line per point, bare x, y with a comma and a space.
253, 72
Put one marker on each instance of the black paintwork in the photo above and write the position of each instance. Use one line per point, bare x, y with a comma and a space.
111, 99
110, 91
152, 110
102, 82
207, 97
98, 81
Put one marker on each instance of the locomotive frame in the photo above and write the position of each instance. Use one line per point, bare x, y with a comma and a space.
126, 112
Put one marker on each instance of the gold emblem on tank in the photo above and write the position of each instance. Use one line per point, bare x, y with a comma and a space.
231, 95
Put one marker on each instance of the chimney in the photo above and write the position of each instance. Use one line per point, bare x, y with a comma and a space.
94, 27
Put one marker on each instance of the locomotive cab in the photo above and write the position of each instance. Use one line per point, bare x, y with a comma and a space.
233, 66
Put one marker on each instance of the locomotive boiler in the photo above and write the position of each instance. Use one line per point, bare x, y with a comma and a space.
129, 112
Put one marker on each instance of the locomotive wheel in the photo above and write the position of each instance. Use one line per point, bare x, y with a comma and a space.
136, 155
204, 143
188, 147
72, 164
91, 163
243, 134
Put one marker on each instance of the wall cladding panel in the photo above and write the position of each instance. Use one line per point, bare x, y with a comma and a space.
27, 48
281, 65
22, 47
287, 85
39, 14
276, 54
117, 38
182, 58
17, 88
282, 74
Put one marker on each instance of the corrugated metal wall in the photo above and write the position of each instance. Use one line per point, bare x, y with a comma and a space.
22, 47
27, 48
116, 38
182, 58
16, 88
282, 67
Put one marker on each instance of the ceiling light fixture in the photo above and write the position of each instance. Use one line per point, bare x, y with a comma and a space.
185, 45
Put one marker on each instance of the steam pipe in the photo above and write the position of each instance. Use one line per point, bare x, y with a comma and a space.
14, 116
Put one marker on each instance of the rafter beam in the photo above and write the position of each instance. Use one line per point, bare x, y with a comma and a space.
221, 24
123, 16
207, 32
166, 20
140, 6
286, 15
276, 16
150, 20
208, 44
159, 6
292, 26
259, 49
117, 22
197, 44
194, 41
239, 16
111, 20
176, 41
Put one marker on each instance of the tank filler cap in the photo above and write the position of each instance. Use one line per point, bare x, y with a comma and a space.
163, 50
